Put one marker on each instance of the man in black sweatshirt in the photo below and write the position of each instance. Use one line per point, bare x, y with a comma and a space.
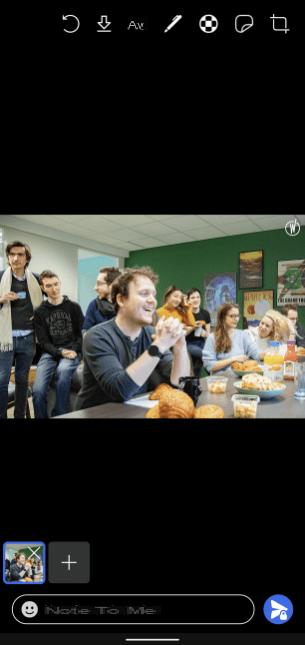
58, 325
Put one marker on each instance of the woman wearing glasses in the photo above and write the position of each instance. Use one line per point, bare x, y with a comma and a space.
228, 344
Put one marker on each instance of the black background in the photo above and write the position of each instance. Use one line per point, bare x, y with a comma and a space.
153, 125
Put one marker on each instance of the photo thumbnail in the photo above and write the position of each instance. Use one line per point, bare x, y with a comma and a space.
24, 562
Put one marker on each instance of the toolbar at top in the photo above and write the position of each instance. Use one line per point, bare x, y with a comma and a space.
206, 24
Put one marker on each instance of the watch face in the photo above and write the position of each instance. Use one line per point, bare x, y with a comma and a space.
154, 351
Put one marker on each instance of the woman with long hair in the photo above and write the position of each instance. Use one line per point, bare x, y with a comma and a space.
175, 307
228, 344
273, 326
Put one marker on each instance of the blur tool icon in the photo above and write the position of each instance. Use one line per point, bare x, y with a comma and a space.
243, 22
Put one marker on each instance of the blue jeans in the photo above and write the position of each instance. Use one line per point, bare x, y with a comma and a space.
63, 369
23, 352
195, 349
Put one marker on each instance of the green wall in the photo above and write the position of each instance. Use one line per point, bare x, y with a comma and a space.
186, 264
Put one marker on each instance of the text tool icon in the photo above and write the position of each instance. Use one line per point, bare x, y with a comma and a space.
104, 24
278, 609
243, 22
208, 24
173, 23
279, 23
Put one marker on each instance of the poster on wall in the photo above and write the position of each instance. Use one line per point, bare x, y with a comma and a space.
256, 303
251, 270
291, 283
219, 288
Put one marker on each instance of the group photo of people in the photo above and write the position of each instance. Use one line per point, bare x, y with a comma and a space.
23, 563
147, 322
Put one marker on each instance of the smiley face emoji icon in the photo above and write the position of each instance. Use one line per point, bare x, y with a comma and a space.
29, 609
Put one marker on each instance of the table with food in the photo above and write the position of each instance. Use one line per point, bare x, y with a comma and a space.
244, 392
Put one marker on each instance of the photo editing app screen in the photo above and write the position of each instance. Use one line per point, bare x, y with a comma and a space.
152, 325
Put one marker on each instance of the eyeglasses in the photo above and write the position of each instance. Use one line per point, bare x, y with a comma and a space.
233, 315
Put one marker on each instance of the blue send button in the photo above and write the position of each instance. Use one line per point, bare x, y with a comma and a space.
278, 609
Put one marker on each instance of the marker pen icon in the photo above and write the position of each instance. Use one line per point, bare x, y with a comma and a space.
173, 23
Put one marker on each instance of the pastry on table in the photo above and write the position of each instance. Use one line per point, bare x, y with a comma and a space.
160, 389
209, 412
153, 413
246, 366
175, 404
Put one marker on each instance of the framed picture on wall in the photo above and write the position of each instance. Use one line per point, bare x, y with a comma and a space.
256, 303
219, 288
251, 269
291, 283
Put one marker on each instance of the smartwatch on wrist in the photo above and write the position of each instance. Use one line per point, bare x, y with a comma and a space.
154, 351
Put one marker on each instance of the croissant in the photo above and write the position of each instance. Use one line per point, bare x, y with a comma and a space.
162, 388
176, 405
153, 413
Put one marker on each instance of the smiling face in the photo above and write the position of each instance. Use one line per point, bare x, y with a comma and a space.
265, 327
29, 609
195, 301
174, 299
139, 306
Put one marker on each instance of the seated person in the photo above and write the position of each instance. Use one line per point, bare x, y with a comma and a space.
101, 308
58, 325
291, 312
175, 307
120, 359
273, 326
228, 344
196, 339
21, 569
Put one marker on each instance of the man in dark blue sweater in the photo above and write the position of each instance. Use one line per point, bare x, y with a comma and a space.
20, 294
121, 358
58, 325
101, 308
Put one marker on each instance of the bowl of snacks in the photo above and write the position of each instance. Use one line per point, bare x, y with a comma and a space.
261, 386
217, 384
245, 405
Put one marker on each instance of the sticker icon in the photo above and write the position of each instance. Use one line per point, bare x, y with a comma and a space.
208, 23
278, 609
243, 22
29, 609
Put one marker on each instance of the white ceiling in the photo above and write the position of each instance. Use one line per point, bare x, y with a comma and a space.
134, 232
